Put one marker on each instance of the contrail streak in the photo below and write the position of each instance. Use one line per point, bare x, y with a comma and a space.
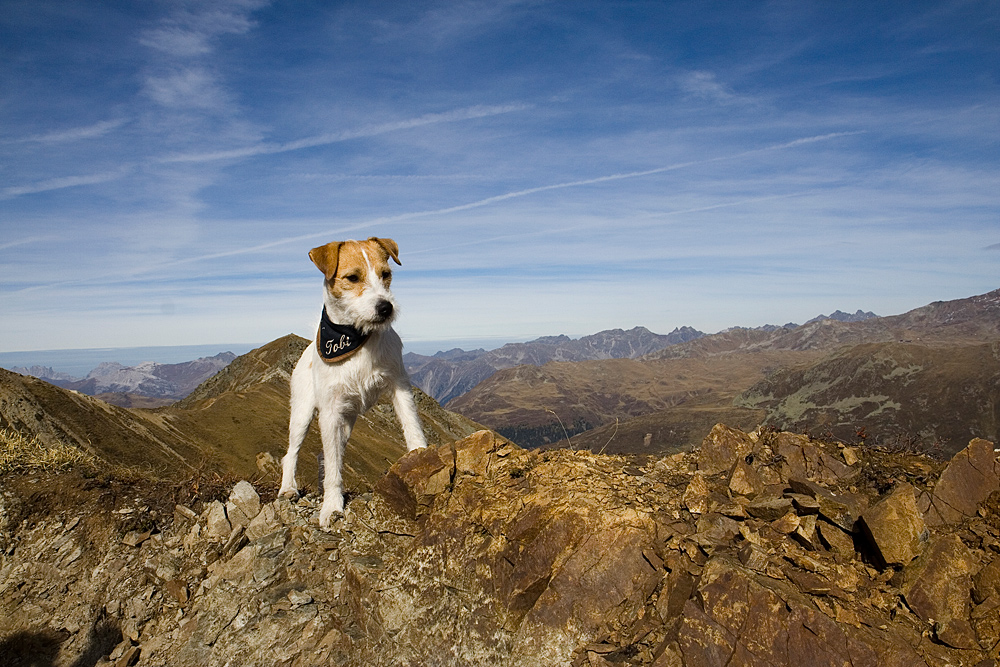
467, 113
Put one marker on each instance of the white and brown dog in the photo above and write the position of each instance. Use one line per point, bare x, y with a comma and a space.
356, 358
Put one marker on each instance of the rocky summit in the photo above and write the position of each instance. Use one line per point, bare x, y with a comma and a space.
763, 548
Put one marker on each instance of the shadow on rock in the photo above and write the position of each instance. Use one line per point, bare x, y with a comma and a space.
31, 649
104, 635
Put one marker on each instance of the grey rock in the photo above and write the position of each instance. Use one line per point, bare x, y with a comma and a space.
245, 498
216, 524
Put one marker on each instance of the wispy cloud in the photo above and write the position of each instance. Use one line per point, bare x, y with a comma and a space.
705, 85
180, 77
190, 88
25, 241
467, 113
72, 134
188, 33
63, 182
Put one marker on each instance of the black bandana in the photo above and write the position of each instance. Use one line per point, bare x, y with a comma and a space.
336, 342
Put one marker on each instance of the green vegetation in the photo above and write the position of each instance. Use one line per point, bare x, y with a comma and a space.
537, 436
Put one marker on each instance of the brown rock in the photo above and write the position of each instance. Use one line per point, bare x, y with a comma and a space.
895, 527
769, 509
478, 453
937, 588
835, 538
986, 583
412, 483
744, 480
265, 523
804, 504
806, 533
217, 524
722, 448
178, 589
839, 508
696, 495
971, 476
986, 623
850, 455
129, 658
754, 557
786, 524
716, 529
237, 519
134, 537
806, 460
740, 621
535, 553
677, 588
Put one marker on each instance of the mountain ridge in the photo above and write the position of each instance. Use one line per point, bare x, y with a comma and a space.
120, 384
544, 405
446, 376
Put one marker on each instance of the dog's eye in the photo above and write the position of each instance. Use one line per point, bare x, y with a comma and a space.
353, 278
386, 275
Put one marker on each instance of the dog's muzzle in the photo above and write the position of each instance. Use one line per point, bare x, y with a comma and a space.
383, 310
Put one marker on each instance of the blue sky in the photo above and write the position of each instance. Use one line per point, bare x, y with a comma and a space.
546, 167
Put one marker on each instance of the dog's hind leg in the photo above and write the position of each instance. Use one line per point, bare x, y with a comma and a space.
335, 427
303, 404
406, 413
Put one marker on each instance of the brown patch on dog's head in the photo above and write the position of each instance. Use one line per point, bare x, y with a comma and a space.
390, 248
326, 257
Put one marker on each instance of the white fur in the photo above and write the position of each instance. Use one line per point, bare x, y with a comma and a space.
340, 392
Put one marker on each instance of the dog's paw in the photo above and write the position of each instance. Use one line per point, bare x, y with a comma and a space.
327, 512
290, 494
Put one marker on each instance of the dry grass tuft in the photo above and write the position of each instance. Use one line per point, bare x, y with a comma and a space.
19, 452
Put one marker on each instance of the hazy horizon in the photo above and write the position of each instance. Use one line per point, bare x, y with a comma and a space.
80, 361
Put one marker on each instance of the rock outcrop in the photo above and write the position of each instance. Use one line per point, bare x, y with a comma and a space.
760, 548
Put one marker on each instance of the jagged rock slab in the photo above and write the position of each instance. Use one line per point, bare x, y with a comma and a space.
971, 476
895, 527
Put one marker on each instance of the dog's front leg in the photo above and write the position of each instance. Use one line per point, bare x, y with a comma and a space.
335, 427
303, 405
406, 413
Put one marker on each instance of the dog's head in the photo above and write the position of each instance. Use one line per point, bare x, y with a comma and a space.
357, 281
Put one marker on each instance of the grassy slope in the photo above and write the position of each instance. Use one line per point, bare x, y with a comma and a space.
221, 427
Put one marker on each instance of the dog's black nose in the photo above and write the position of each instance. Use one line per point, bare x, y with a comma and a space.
383, 309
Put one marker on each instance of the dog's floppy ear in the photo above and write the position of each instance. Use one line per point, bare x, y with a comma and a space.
326, 257
390, 248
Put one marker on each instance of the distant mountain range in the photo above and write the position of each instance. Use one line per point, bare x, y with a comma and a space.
444, 376
841, 316
447, 375
123, 385
837, 375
